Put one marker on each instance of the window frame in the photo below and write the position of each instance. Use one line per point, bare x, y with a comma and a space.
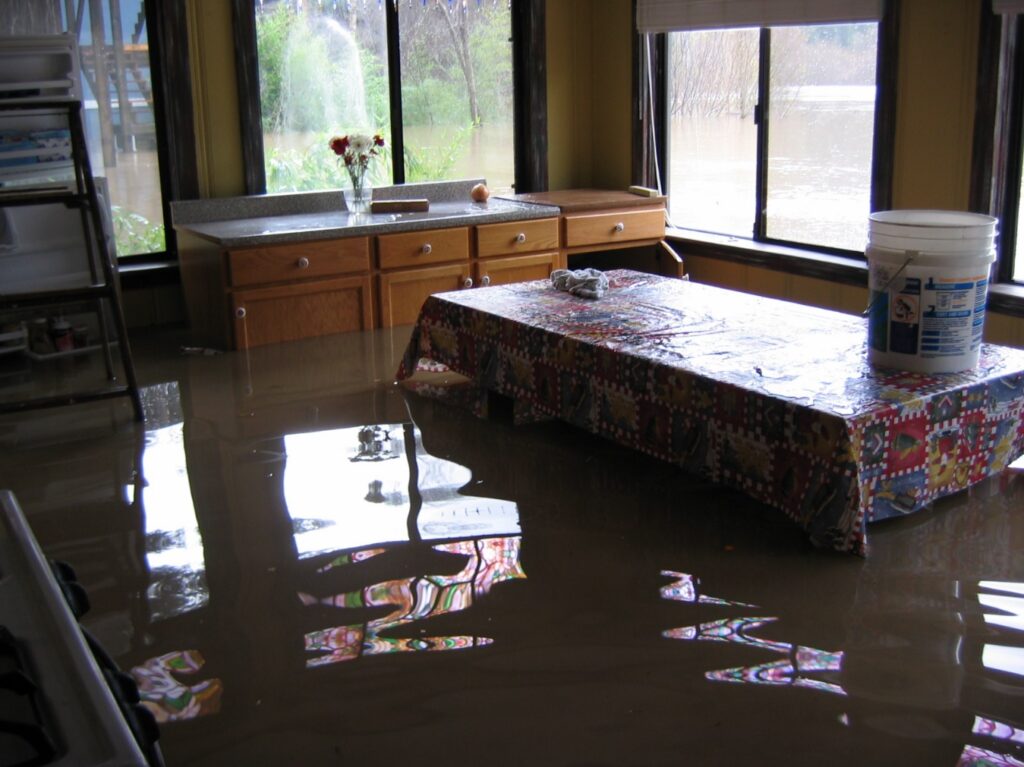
998, 148
529, 95
835, 264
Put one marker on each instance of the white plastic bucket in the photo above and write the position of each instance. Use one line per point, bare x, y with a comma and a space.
928, 275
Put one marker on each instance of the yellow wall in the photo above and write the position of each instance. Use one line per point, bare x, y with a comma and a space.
938, 64
215, 97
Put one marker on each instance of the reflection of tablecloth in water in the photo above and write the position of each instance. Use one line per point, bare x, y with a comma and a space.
772, 398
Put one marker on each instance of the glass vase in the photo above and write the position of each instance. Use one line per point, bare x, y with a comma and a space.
357, 199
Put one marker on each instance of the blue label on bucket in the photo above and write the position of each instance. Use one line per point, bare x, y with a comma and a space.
953, 316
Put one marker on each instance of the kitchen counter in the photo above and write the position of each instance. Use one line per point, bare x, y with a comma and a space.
307, 216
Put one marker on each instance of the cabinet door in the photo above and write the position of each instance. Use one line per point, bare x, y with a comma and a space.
431, 246
501, 271
302, 310
403, 293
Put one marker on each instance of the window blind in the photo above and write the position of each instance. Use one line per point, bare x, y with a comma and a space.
678, 15
1005, 6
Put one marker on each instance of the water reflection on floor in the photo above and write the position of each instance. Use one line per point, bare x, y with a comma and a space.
301, 564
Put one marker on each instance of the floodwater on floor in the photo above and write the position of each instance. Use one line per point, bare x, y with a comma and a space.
301, 563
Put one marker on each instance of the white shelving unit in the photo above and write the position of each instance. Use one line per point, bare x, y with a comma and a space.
46, 163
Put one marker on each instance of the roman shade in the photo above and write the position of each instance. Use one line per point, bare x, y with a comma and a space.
1008, 6
677, 15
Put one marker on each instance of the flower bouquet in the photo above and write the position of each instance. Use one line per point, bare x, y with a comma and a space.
355, 150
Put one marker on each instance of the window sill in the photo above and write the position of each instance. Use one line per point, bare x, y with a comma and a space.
1005, 298
848, 270
141, 273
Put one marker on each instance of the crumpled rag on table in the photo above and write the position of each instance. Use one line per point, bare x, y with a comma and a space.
587, 283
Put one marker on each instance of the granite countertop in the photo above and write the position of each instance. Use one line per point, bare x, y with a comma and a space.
276, 219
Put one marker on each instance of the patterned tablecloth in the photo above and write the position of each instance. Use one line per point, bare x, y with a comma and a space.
773, 398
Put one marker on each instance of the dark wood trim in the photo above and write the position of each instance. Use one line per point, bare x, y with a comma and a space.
530, 95
986, 109
762, 112
1010, 151
886, 80
250, 109
172, 107
395, 94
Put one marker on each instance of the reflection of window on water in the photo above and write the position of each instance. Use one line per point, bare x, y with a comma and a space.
347, 498
488, 561
792, 671
341, 494
1010, 604
174, 547
171, 700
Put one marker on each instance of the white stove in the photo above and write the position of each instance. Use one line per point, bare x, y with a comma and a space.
62, 700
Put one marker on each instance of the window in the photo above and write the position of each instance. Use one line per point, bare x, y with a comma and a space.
127, 73
771, 132
435, 78
120, 109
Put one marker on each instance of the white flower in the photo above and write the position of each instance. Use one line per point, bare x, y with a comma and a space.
360, 144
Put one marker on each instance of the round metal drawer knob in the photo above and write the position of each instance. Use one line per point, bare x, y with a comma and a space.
485, 280
468, 282
240, 312
303, 263
426, 249
521, 238
620, 227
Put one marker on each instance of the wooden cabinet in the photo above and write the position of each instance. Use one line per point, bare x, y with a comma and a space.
516, 251
244, 297
415, 264
609, 229
299, 290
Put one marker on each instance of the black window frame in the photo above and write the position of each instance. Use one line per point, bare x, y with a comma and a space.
834, 264
529, 95
997, 161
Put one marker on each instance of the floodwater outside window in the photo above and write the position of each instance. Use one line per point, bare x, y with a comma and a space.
324, 70
806, 96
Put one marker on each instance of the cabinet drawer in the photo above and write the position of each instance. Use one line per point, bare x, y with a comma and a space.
279, 263
303, 310
433, 246
502, 271
620, 226
403, 293
516, 237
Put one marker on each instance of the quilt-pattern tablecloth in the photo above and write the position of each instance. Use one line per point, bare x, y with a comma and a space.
769, 397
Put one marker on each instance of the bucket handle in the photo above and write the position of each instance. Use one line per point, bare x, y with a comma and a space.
911, 255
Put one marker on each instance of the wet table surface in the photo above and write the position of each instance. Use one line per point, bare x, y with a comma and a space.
773, 398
